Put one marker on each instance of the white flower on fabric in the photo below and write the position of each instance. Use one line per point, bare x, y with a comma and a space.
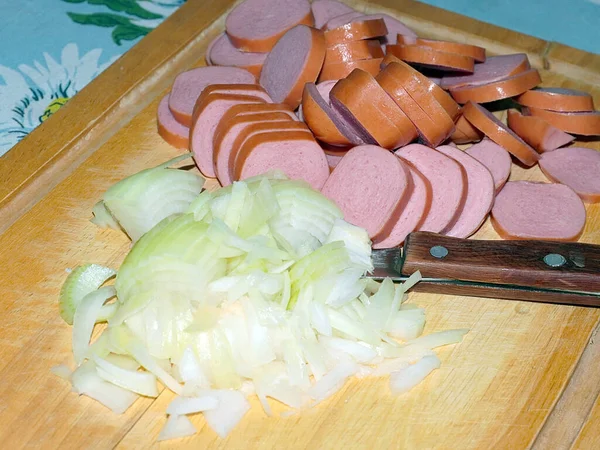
163, 8
32, 94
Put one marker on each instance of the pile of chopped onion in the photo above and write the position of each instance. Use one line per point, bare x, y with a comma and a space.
254, 289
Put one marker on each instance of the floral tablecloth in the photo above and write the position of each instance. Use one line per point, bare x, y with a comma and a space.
50, 49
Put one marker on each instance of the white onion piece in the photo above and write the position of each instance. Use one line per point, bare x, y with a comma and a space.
85, 318
125, 362
189, 405
406, 379
359, 351
332, 381
143, 383
87, 382
320, 319
439, 339
62, 371
177, 427
233, 406
190, 369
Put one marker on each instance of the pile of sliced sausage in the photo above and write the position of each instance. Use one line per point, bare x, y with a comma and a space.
363, 109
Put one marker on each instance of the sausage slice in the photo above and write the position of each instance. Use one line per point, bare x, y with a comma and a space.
495, 68
472, 51
295, 60
207, 114
497, 90
353, 51
221, 52
448, 183
169, 129
393, 25
577, 167
255, 90
319, 117
557, 99
583, 123
227, 133
371, 187
489, 125
480, 193
356, 31
465, 133
536, 132
188, 86
528, 210
360, 95
432, 58
325, 10
495, 158
257, 25
340, 70
413, 214
296, 153
342, 19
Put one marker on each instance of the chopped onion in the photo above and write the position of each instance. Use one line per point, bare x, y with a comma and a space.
177, 427
333, 381
233, 406
190, 405
438, 339
407, 378
143, 383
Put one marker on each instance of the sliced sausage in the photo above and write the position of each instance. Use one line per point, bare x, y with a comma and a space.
465, 133
208, 113
356, 31
489, 125
325, 10
429, 130
227, 133
577, 167
557, 99
495, 68
317, 114
295, 153
361, 96
295, 60
413, 214
583, 123
371, 186
342, 19
188, 86
257, 25
255, 90
353, 51
341, 70
448, 183
495, 158
394, 27
480, 193
440, 95
472, 51
221, 52
333, 159
424, 99
537, 132
432, 58
498, 90
169, 129
528, 210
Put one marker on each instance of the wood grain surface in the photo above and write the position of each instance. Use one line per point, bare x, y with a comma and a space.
495, 390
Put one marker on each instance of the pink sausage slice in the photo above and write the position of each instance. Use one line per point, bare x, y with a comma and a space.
207, 114
342, 19
448, 183
394, 26
221, 52
169, 129
576, 167
495, 68
480, 193
188, 86
527, 210
257, 25
255, 90
295, 60
325, 10
495, 158
296, 153
413, 214
371, 186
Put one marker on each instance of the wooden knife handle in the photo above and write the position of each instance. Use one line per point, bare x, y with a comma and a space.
542, 264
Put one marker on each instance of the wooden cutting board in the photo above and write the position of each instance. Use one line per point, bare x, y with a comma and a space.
515, 381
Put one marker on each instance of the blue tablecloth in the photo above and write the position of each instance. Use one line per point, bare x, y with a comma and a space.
50, 49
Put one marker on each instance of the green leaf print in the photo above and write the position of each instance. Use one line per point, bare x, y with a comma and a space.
128, 33
130, 7
100, 20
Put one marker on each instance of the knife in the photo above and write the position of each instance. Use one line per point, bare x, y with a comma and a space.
537, 271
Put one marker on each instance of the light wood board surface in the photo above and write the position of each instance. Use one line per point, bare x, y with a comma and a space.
495, 390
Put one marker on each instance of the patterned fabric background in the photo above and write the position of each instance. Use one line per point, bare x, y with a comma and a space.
50, 49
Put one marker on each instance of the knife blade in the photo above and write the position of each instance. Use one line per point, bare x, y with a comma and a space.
538, 271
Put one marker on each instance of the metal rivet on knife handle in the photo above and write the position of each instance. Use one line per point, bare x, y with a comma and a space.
554, 260
438, 251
